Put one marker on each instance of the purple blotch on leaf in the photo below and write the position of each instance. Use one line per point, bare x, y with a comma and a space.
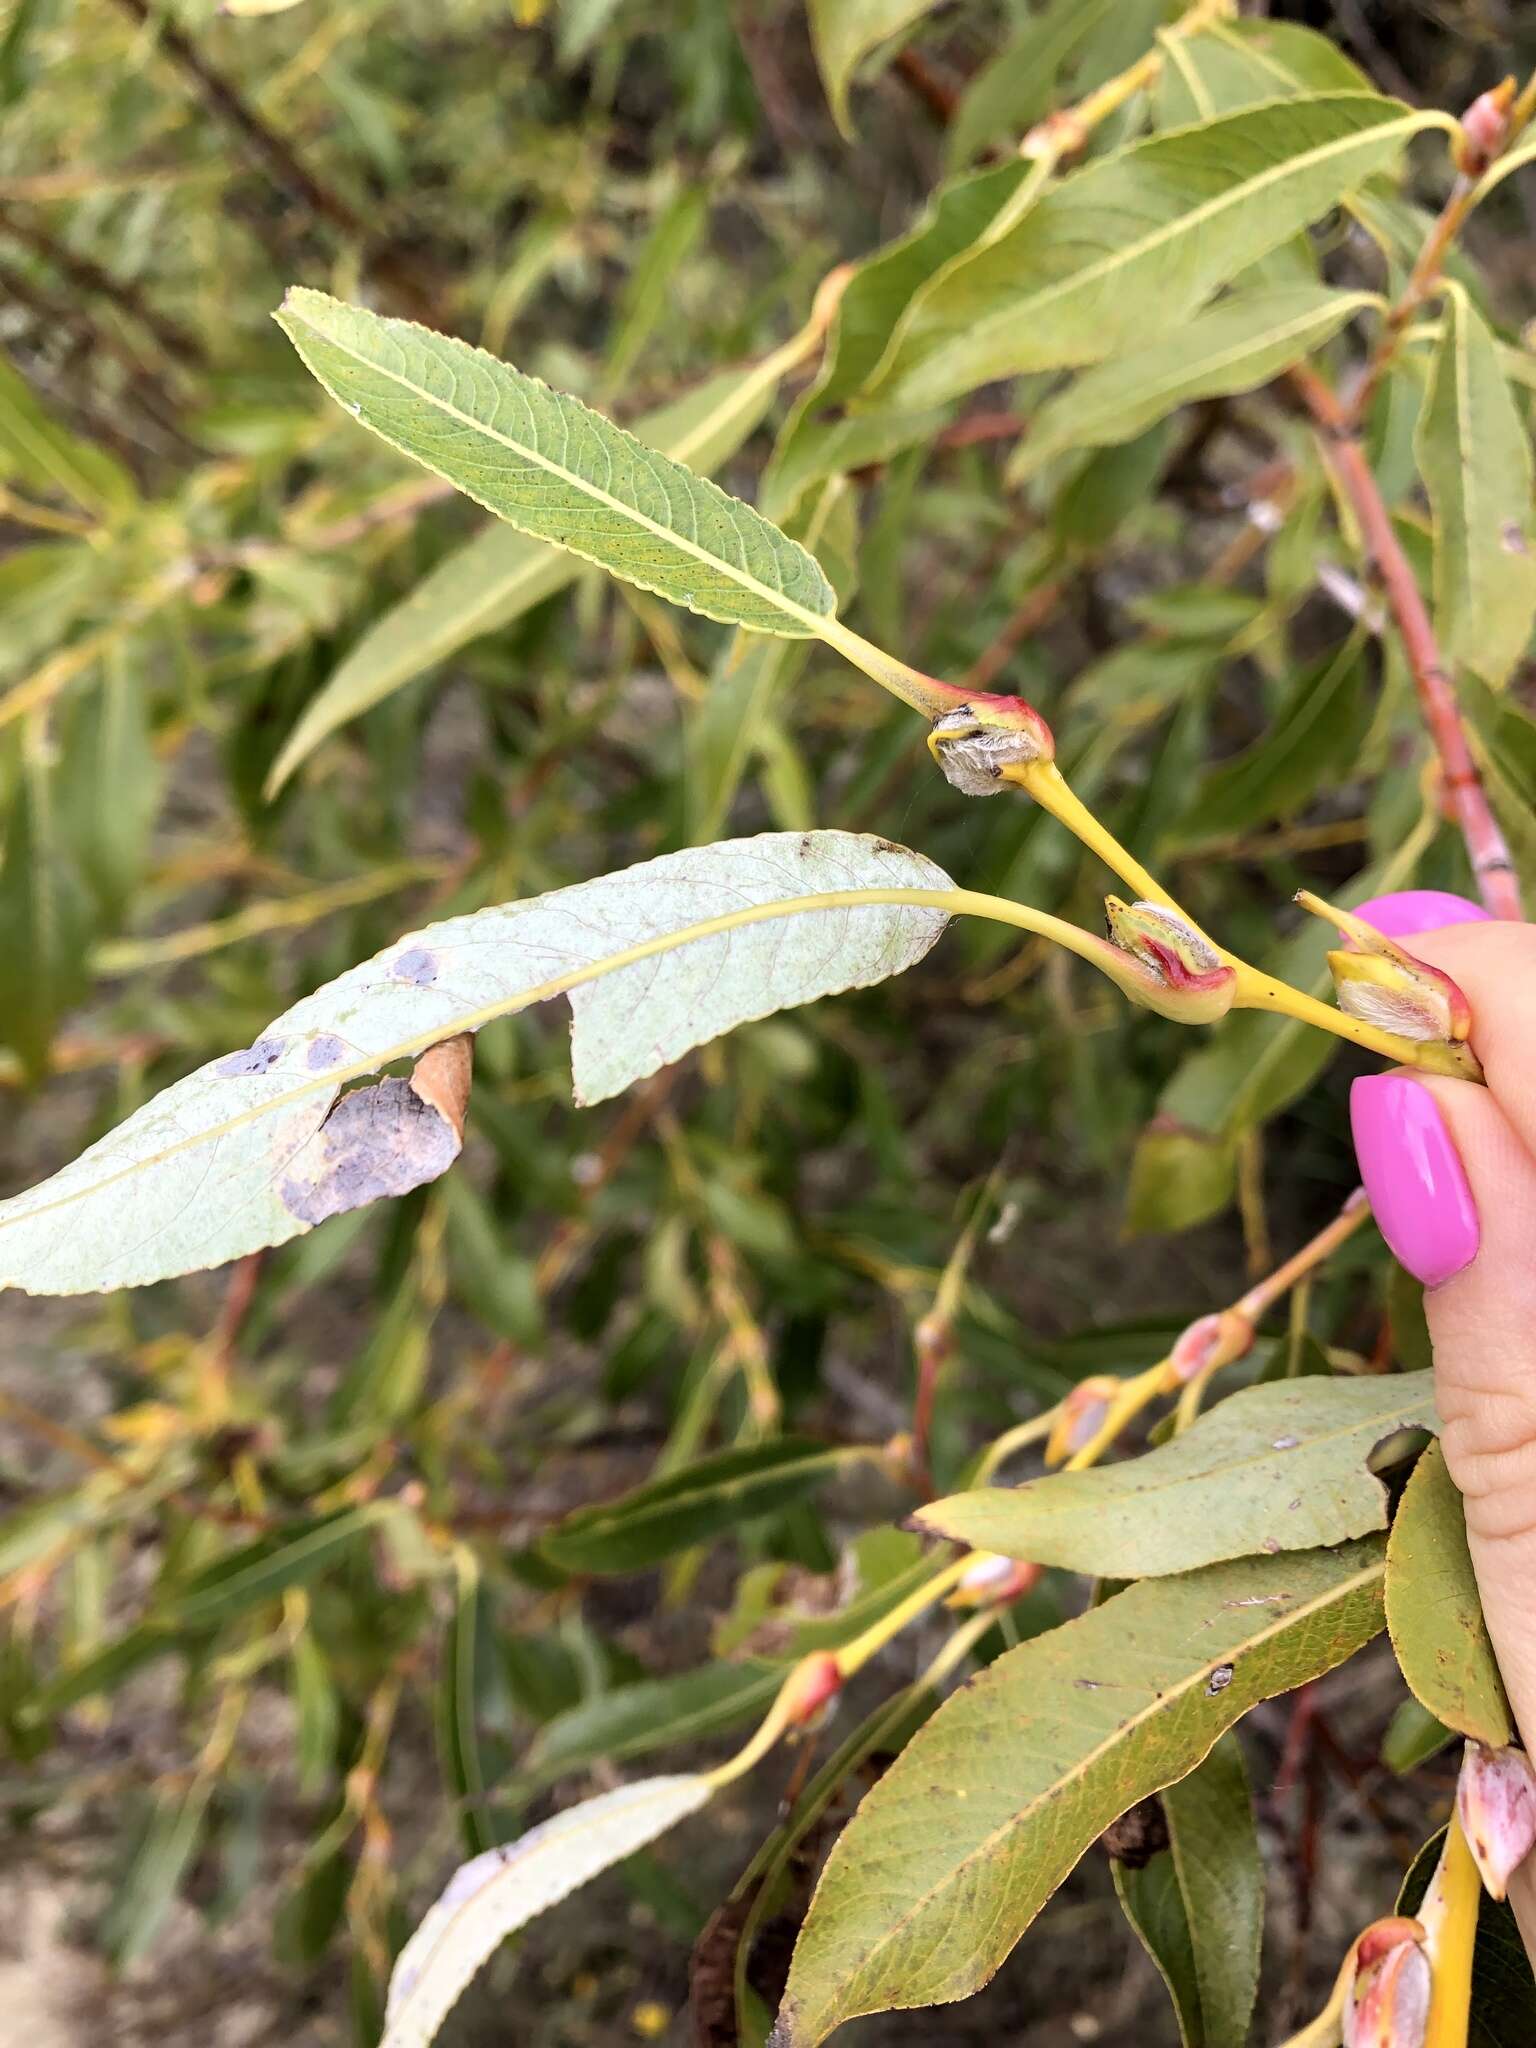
376, 1142
417, 965
259, 1058
325, 1051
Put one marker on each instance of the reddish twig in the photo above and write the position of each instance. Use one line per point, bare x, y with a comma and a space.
936, 93
1487, 848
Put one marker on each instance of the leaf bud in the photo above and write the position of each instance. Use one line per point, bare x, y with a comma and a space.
815, 1680
994, 1580
976, 742
1484, 130
1496, 1801
1381, 983
1080, 1416
1182, 974
1387, 2004
1210, 1342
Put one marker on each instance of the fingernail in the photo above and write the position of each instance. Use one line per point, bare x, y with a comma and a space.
1414, 1177
1407, 911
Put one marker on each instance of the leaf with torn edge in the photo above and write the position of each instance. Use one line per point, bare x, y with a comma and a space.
1280, 1467
500, 574
1434, 1615
552, 467
495, 1893
256, 1147
987, 1809
1134, 243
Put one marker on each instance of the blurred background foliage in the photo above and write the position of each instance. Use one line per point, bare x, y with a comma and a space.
252, 1715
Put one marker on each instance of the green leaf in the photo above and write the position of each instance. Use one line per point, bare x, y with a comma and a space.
37, 452
654, 1713
136, 1912
465, 1663
688, 1506
45, 921
1234, 346
1475, 457
247, 1152
1136, 242
843, 32
501, 574
1280, 1467
1011, 92
496, 1893
1314, 739
984, 1813
1214, 1845
109, 784
1413, 1736
1235, 64
105, 1669
1434, 1613
257, 1572
1178, 1178
553, 468
1198, 1906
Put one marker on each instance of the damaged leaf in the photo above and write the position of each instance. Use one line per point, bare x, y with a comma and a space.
988, 1808
1279, 1467
257, 1146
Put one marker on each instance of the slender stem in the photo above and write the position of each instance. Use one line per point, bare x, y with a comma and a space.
1044, 781
1071, 127
1487, 848
1259, 991
854, 1656
1019, 1438
1422, 282
1261, 1298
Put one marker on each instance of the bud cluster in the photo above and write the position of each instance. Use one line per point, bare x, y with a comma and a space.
1382, 984
1181, 974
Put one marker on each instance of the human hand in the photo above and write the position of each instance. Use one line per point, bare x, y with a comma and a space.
1450, 1169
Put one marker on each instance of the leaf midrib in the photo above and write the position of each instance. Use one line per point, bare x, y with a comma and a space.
1208, 209
336, 1078
812, 621
1163, 1702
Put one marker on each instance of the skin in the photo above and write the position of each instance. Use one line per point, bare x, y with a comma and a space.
1483, 1319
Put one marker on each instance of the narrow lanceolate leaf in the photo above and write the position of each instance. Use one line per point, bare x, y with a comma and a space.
843, 32
1475, 457
258, 1572
555, 469
498, 1892
1234, 346
500, 574
1235, 64
1126, 247
688, 1506
1281, 1467
1198, 1906
45, 920
1434, 1613
988, 1808
256, 1147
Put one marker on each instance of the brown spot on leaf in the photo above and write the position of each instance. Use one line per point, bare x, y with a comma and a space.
259, 1058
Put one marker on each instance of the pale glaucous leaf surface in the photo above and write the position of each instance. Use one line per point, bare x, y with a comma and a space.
247, 1151
503, 1889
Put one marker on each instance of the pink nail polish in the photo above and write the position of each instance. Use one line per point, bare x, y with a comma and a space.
1407, 911
1413, 1176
